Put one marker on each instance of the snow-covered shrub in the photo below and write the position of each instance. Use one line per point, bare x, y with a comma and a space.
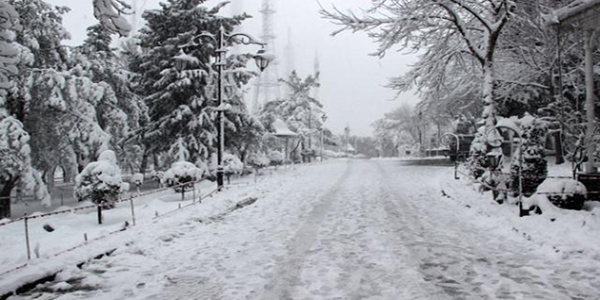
563, 193
232, 164
100, 180
181, 172
258, 160
476, 163
276, 157
535, 167
137, 179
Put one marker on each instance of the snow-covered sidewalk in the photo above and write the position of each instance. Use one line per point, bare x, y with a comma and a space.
345, 230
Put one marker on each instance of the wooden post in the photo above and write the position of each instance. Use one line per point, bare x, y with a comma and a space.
193, 192
25, 219
132, 211
100, 213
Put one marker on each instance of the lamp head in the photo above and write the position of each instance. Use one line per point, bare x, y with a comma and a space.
262, 59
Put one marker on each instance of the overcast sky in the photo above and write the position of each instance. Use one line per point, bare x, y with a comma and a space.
351, 81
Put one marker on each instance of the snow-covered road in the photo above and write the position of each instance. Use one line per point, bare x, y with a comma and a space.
340, 230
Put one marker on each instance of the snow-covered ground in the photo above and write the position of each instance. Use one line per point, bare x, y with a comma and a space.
363, 229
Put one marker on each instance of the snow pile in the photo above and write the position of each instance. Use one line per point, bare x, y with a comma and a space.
258, 160
232, 164
565, 187
276, 157
556, 193
99, 181
137, 179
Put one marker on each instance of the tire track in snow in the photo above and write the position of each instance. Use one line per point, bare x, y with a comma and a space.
287, 274
459, 261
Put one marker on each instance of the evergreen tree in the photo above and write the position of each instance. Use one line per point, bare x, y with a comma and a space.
534, 165
181, 98
126, 113
301, 112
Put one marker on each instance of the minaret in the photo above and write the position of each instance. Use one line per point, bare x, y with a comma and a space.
289, 55
267, 88
317, 71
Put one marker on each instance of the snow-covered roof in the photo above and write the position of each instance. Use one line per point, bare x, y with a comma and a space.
350, 148
281, 129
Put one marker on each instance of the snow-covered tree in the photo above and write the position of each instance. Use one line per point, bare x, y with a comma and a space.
299, 110
112, 15
535, 169
100, 181
15, 165
451, 35
181, 97
9, 22
127, 112
401, 126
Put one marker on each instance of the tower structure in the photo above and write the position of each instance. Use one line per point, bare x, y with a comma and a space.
317, 71
289, 61
267, 86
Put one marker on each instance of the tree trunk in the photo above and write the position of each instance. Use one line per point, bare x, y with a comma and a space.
5, 189
558, 147
589, 101
157, 165
67, 174
49, 178
144, 164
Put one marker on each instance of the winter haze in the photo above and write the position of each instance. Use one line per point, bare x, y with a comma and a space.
352, 82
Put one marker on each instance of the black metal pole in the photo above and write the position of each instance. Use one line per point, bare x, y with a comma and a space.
221, 134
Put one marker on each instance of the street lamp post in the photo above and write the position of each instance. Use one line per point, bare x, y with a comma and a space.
324, 118
222, 40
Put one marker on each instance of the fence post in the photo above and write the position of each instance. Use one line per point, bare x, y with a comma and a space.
27, 236
99, 213
182, 192
132, 211
193, 192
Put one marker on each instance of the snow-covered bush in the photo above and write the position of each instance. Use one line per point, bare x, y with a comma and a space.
276, 157
182, 172
258, 160
563, 193
232, 164
100, 180
535, 168
476, 163
137, 179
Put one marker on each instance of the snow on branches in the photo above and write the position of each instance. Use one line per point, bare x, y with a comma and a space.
9, 21
110, 14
